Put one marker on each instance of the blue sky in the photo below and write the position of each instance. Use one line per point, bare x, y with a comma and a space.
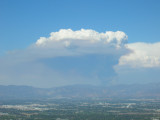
23, 22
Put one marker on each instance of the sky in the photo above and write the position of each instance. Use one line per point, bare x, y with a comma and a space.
49, 43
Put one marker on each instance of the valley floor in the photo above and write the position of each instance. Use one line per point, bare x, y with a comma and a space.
80, 109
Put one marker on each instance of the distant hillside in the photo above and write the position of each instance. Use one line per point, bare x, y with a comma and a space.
21, 92
81, 91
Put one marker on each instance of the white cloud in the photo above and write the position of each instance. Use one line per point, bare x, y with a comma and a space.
82, 38
142, 55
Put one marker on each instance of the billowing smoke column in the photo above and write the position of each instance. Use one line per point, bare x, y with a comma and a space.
84, 53
65, 57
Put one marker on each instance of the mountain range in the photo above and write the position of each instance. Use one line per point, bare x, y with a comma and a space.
82, 91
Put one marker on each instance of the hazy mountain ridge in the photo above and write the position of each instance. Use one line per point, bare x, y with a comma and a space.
81, 91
